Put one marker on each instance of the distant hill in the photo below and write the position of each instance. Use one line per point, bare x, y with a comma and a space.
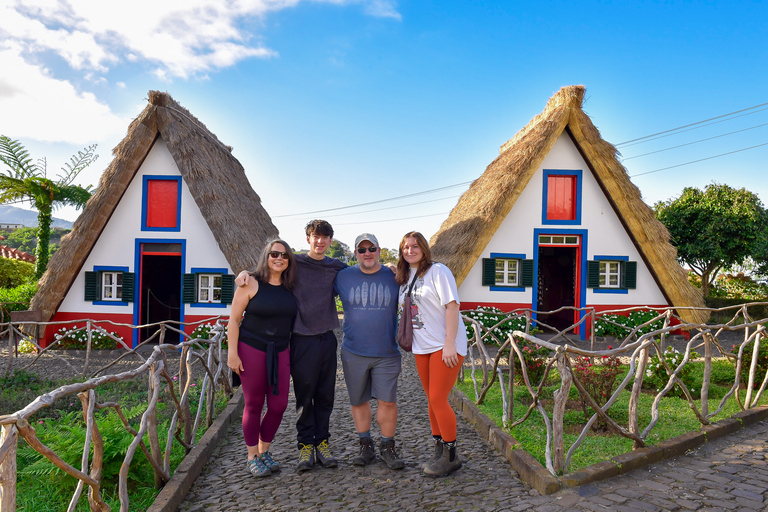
13, 215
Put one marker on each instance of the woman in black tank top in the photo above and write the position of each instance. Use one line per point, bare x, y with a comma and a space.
260, 325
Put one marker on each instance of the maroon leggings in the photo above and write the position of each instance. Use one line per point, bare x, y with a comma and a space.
255, 390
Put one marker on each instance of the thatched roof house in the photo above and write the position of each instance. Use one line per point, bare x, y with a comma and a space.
465, 234
230, 207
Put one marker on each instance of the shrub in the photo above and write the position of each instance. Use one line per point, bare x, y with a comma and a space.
18, 298
619, 326
490, 316
78, 339
598, 376
657, 376
14, 273
203, 332
746, 362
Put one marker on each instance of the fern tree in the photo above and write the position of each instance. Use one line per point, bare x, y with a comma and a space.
24, 180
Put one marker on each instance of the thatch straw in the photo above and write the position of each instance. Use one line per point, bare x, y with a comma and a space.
215, 179
480, 211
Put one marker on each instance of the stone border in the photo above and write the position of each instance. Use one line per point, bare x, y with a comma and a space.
177, 488
537, 476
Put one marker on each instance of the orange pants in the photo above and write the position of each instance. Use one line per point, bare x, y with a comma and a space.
438, 380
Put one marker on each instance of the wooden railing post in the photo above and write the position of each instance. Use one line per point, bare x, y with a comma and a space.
8, 442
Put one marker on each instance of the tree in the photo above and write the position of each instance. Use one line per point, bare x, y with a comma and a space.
23, 239
27, 181
340, 251
714, 228
388, 255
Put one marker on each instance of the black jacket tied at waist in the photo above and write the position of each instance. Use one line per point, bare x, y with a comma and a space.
272, 349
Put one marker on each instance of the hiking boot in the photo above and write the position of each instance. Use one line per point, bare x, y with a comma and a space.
324, 456
438, 452
448, 462
306, 457
268, 461
257, 468
390, 456
367, 454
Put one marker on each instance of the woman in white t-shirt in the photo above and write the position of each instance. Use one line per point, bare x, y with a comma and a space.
439, 341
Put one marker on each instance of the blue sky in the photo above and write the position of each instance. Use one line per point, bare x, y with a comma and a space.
334, 103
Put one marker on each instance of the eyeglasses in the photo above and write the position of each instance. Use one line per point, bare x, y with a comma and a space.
361, 250
275, 254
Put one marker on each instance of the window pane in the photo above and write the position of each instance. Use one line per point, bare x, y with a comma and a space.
107, 292
108, 278
602, 267
217, 294
203, 294
119, 278
571, 240
613, 266
204, 281
614, 280
545, 239
217, 281
513, 265
558, 239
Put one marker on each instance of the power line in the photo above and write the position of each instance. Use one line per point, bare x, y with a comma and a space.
694, 142
700, 160
392, 207
374, 202
691, 124
392, 220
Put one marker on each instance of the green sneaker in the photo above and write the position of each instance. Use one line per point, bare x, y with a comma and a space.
306, 457
268, 461
324, 456
257, 468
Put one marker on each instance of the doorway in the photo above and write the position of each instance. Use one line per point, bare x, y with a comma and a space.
557, 285
160, 298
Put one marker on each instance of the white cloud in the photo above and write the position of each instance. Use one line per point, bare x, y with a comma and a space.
37, 106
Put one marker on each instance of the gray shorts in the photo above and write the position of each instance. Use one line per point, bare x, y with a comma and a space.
370, 377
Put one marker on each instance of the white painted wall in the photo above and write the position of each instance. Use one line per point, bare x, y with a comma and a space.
117, 244
606, 235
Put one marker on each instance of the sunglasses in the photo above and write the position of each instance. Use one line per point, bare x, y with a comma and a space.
362, 250
275, 254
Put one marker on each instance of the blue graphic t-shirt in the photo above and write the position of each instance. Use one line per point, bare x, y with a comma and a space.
370, 311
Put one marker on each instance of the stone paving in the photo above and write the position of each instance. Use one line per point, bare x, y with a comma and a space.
730, 473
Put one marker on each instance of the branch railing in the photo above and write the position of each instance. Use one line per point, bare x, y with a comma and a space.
199, 360
635, 349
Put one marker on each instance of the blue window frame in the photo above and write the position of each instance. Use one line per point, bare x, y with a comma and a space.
146, 207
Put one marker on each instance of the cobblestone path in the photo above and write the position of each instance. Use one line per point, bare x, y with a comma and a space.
727, 474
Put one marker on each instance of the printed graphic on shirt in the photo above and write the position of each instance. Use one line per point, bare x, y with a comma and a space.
370, 296
416, 294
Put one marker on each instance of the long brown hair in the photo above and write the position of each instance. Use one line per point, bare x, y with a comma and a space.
288, 276
403, 268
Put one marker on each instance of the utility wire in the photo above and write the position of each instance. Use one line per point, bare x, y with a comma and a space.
700, 160
374, 202
691, 124
694, 142
391, 207
391, 220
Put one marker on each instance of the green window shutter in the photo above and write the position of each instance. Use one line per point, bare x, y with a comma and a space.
526, 278
629, 274
593, 274
128, 285
189, 293
92, 286
227, 288
489, 271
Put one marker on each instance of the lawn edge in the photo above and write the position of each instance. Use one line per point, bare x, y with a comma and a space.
177, 488
534, 474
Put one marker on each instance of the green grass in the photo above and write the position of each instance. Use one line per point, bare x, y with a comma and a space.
41, 486
675, 417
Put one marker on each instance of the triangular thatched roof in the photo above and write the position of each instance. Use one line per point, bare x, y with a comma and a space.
481, 209
215, 179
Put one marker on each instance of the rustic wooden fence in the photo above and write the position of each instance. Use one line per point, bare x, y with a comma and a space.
197, 359
635, 348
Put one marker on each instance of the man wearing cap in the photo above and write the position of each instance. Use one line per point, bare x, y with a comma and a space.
369, 353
